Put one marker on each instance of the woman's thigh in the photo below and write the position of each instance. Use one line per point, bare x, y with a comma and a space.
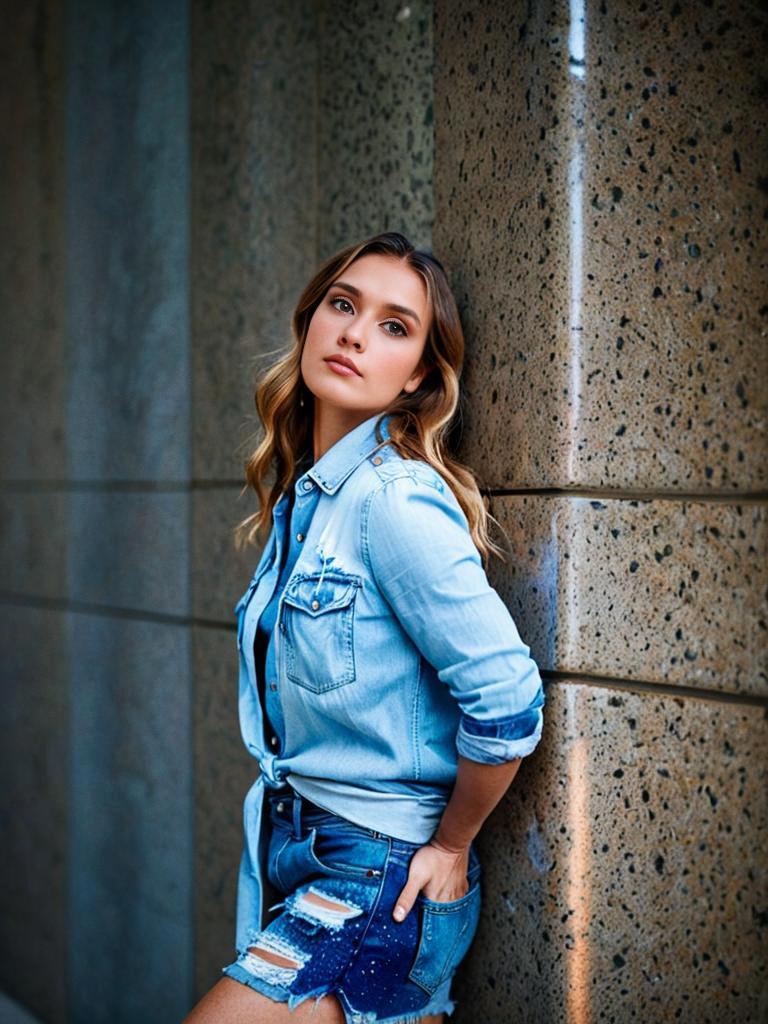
230, 1002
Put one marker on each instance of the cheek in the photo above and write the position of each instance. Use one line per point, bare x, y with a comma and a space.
398, 365
316, 335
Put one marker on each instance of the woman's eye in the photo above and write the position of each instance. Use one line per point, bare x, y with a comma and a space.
402, 330
396, 323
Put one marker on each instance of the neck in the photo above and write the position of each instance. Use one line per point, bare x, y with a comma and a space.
332, 423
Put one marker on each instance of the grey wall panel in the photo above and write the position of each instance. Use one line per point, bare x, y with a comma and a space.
130, 953
127, 222
35, 809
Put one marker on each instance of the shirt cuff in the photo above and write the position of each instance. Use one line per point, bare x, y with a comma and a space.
497, 740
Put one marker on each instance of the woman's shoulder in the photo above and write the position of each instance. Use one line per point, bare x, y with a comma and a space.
403, 489
390, 464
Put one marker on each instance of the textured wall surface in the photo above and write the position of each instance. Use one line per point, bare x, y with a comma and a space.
622, 869
599, 195
375, 124
34, 740
129, 460
97, 876
600, 192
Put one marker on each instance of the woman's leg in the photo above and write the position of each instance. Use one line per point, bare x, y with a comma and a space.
230, 1002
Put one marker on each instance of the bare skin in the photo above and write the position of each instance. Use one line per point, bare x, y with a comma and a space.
229, 1002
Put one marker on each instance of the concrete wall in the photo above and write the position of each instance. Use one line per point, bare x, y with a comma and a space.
593, 179
97, 888
34, 501
599, 199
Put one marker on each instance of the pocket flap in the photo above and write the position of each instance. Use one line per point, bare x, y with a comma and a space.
337, 590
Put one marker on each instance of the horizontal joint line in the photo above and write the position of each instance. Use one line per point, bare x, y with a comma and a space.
658, 689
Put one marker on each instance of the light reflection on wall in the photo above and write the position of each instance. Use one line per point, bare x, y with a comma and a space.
577, 74
579, 958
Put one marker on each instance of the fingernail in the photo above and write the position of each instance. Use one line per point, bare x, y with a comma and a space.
399, 913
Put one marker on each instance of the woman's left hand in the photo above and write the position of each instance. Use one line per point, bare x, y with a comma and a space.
437, 871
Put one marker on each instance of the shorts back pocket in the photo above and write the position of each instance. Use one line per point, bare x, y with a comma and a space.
446, 931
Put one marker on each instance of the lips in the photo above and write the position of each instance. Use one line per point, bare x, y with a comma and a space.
344, 362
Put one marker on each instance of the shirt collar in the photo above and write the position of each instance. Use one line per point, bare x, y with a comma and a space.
334, 466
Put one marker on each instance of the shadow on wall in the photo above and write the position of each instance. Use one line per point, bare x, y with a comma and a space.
12, 1013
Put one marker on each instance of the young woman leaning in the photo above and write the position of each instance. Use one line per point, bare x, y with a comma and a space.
384, 688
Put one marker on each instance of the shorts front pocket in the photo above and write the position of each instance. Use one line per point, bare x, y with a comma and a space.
342, 852
292, 862
446, 931
317, 624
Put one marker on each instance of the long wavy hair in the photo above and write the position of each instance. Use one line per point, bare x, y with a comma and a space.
422, 423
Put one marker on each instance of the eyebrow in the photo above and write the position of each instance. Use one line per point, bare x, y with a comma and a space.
387, 305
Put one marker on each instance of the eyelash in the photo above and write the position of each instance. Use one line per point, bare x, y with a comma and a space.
340, 298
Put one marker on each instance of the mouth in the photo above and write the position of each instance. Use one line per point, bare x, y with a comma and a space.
343, 366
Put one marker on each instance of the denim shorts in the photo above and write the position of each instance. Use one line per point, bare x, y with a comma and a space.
336, 934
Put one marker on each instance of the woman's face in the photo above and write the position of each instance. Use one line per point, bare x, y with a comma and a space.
375, 315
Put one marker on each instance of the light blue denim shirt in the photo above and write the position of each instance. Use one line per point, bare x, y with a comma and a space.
392, 653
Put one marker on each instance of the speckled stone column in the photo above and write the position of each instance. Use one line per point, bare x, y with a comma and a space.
599, 200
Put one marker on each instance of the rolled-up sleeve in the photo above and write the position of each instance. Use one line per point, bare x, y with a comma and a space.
422, 558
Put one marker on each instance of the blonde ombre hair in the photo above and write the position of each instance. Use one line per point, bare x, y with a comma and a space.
421, 420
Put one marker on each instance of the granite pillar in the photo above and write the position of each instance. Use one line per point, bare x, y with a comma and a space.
599, 185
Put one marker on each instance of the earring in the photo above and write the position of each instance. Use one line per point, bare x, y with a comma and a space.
301, 401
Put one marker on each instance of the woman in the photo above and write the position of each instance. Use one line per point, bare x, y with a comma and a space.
384, 688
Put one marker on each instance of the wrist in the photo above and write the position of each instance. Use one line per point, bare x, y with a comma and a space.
449, 844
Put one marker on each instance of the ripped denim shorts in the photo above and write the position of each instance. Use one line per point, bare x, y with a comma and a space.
336, 933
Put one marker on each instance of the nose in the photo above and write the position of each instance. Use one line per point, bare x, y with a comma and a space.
354, 335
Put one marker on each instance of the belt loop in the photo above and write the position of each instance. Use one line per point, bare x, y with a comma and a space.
296, 815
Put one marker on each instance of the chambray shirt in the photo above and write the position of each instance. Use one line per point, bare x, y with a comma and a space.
391, 653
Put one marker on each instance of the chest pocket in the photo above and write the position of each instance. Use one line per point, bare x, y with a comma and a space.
318, 621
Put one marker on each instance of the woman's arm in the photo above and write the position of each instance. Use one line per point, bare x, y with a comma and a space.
439, 869
425, 563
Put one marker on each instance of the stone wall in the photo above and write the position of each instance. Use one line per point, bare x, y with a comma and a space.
599, 199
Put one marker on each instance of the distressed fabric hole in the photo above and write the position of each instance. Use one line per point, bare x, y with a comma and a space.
317, 906
273, 958
279, 971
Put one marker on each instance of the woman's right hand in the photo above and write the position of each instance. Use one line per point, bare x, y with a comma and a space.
440, 874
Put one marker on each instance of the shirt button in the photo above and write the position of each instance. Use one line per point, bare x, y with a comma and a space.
273, 686
315, 605
377, 461
280, 806
307, 485
273, 741
299, 536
